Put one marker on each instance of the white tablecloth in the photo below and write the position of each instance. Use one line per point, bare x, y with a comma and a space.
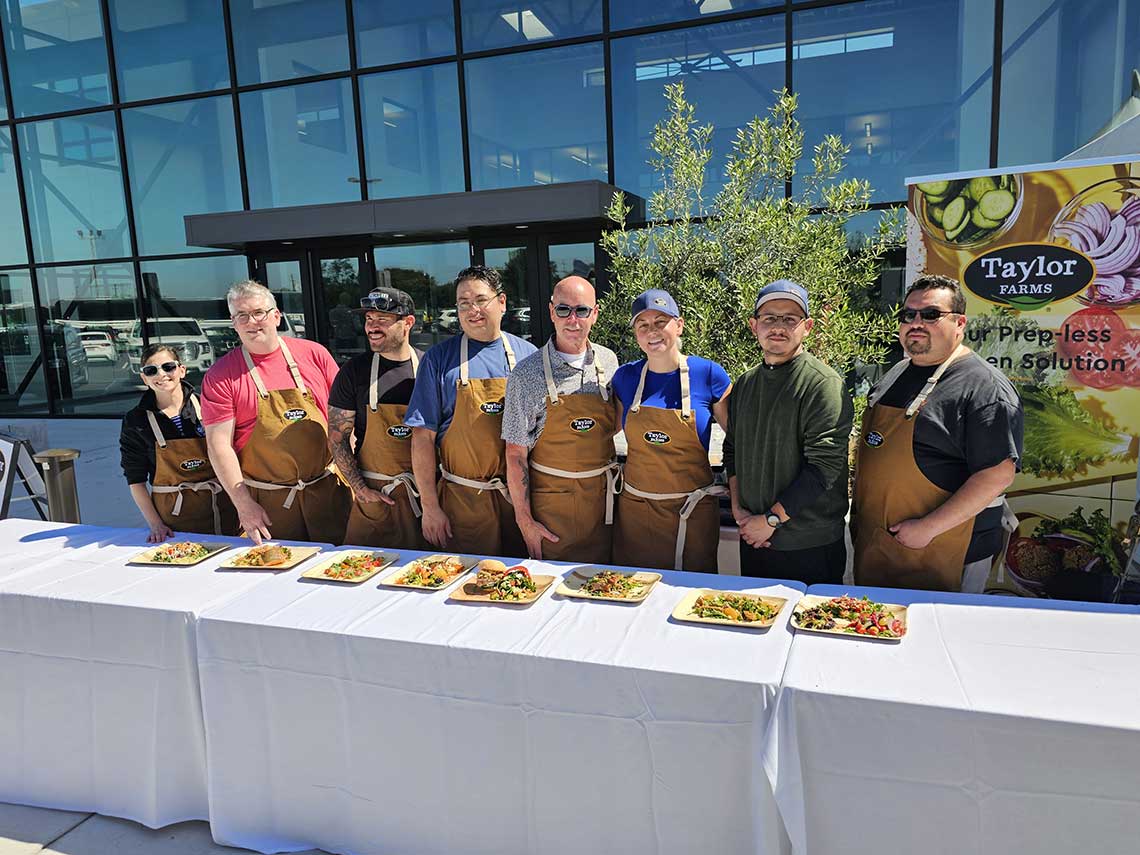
996, 726
99, 702
361, 719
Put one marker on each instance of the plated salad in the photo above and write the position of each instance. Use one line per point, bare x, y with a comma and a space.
615, 585
266, 555
848, 615
433, 571
739, 608
355, 566
179, 553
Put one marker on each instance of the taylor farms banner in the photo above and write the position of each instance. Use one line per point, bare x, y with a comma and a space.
1049, 258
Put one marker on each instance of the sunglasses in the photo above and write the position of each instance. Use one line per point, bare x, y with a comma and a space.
564, 311
384, 303
152, 370
929, 315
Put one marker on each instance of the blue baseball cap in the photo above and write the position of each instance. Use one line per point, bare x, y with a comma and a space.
656, 299
783, 289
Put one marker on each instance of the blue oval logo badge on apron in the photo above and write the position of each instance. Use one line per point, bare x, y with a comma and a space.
399, 431
656, 437
294, 415
874, 439
582, 425
192, 465
492, 408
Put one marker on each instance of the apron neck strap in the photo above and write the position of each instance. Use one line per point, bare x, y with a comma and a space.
293, 369
374, 377
257, 381
686, 398
547, 370
464, 377
158, 437
920, 399
197, 407
548, 373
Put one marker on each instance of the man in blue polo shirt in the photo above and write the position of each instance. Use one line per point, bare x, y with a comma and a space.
457, 408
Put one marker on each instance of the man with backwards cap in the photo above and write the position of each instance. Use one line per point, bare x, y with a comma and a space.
785, 449
369, 398
668, 516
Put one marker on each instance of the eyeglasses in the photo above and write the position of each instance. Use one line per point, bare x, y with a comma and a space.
564, 311
787, 321
257, 316
480, 303
929, 315
152, 370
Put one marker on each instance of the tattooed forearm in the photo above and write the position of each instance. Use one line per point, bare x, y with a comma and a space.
340, 444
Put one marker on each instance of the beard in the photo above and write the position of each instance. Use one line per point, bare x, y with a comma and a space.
917, 346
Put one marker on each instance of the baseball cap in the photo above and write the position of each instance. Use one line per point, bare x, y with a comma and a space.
783, 289
390, 300
656, 299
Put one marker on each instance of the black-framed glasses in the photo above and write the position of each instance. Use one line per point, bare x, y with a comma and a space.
564, 311
152, 370
929, 315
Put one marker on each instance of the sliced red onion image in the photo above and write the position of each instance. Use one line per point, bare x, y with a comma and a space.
1112, 241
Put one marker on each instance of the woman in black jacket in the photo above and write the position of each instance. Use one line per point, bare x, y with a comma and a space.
163, 443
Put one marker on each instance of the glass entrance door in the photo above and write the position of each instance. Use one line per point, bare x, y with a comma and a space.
341, 280
517, 263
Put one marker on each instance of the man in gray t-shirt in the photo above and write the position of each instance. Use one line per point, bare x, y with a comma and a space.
559, 421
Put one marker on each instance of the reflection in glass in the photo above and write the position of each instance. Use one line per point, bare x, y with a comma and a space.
282, 39
729, 72
571, 259
185, 151
91, 298
513, 264
642, 13
1067, 73
168, 47
21, 369
13, 249
187, 299
300, 145
427, 272
411, 132
74, 188
934, 117
508, 147
391, 31
340, 282
57, 60
497, 23
283, 278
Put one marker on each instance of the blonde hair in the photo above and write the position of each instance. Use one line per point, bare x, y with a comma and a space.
249, 288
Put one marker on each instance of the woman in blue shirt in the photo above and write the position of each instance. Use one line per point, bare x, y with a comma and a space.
668, 516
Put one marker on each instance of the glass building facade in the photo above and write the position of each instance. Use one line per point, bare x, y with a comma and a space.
120, 117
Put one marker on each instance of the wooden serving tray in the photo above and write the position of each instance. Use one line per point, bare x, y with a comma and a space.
572, 586
300, 554
318, 572
390, 581
469, 592
146, 557
684, 610
810, 600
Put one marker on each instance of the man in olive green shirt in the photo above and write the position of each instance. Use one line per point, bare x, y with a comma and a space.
785, 450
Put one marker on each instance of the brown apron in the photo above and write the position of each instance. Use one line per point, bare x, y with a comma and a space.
288, 452
677, 525
890, 488
473, 466
575, 499
385, 460
185, 491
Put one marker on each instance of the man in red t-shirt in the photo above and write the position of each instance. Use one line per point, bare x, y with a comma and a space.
265, 409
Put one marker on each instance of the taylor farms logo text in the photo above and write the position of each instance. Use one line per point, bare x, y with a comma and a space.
582, 425
492, 408
399, 431
192, 465
656, 437
1028, 275
294, 415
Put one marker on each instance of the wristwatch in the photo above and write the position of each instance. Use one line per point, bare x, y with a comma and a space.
773, 519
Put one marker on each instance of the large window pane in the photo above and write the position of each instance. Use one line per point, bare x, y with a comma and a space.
74, 188
169, 47
13, 249
391, 31
186, 305
183, 160
729, 72
495, 23
509, 148
427, 272
21, 369
641, 13
412, 132
300, 145
1065, 74
56, 56
907, 86
86, 299
281, 39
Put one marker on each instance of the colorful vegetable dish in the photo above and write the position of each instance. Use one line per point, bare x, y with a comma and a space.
614, 585
266, 555
434, 571
179, 553
355, 566
847, 614
738, 608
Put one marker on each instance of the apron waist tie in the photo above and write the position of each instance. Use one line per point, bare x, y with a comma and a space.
293, 489
394, 481
614, 481
691, 501
495, 483
213, 486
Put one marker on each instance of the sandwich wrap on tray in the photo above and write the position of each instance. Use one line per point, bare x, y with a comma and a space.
491, 572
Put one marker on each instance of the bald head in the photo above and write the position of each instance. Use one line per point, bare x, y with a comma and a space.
574, 291
572, 333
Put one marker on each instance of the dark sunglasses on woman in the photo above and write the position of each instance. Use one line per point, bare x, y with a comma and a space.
152, 370
564, 311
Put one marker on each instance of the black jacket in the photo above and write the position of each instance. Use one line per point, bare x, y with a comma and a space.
136, 440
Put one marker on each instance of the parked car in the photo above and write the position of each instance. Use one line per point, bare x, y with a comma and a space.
184, 334
448, 321
98, 345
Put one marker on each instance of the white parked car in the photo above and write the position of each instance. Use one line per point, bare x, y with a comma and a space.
184, 334
98, 345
